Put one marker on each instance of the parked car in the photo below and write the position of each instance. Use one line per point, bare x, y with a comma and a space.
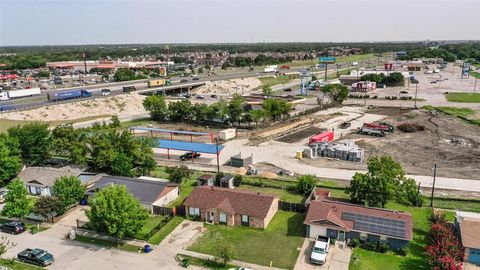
433, 82
213, 96
345, 125
189, 155
36, 256
183, 80
288, 90
14, 227
320, 250
106, 92
196, 78
200, 97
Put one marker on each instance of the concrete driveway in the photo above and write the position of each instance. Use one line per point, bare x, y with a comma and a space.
73, 255
337, 258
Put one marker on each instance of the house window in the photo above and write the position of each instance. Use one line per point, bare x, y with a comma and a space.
222, 219
245, 220
193, 211
38, 190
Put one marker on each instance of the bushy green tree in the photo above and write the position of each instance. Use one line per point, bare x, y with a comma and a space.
181, 110
156, 106
276, 108
69, 190
17, 202
411, 193
266, 90
48, 207
305, 184
379, 184
257, 115
10, 158
34, 141
336, 92
115, 121
235, 108
124, 74
178, 174
114, 211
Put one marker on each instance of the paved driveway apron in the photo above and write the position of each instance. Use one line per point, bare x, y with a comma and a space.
337, 258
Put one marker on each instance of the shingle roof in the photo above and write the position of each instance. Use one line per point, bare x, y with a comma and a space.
239, 202
325, 210
46, 175
146, 191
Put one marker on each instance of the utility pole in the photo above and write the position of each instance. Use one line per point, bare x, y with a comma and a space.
218, 154
433, 186
475, 85
326, 68
415, 100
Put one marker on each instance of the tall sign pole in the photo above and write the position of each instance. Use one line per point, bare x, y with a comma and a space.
326, 61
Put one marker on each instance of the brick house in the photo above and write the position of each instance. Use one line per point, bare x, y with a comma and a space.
467, 225
345, 221
216, 205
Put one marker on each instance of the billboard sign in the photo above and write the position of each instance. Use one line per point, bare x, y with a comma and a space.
327, 59
401, 53
466, 69
162, 71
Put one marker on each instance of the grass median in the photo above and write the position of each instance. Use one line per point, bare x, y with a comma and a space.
463, 97
12, 264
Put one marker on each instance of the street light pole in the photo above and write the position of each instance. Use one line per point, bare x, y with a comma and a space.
433, 186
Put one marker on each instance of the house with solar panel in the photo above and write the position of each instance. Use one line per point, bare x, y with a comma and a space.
345, 221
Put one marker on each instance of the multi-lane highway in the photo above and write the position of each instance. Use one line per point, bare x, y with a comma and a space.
140, 85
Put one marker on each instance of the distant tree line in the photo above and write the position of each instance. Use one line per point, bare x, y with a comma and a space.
393, 78
37, 56
449, 52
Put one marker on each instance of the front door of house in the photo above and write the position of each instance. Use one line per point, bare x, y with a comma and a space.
211, 217
341, 236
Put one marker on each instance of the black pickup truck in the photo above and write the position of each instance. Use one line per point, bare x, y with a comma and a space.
36, 256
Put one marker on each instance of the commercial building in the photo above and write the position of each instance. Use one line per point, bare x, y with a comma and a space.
105, 64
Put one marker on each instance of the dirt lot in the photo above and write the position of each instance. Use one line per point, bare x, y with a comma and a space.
228, 87
299, 135
447, 141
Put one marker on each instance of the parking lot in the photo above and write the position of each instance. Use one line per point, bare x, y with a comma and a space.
337, 258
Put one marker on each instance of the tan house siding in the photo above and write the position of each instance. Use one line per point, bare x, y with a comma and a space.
257, 222
167, 198
273, 210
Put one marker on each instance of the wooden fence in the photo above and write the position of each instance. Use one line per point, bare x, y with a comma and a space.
168, 211
292, 207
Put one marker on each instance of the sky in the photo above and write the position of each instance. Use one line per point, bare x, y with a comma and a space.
71, 22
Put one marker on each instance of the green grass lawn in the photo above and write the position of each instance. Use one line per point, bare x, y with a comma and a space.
285, 195
165, 230
107, 243
272, 80
5, 124
17, 265
149, 225
472, 206
185, 189
278, 243
463, 97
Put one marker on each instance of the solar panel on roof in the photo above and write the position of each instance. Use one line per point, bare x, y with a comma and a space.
378, 225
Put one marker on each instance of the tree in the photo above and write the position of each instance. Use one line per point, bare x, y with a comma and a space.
5, 245
178, 174
257, 115
43, 74
48, 207
235, 108
70, 143
266, 90
224, 250
113, 210
10, 158
115, 121
17, 202
69, 190
276, 108
411, 192
156, 106
379, 184
200, 111
181, 110
237, 180
34, 141
122, 165
305, 184
208, 67
336, 92
124, 74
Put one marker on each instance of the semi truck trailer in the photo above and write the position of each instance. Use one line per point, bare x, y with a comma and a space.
19, 93
68, 94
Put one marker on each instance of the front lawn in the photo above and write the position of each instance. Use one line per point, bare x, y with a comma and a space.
278, 243
150, 224
165, 230
205, 263
186, 187
17, 265
463, 97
